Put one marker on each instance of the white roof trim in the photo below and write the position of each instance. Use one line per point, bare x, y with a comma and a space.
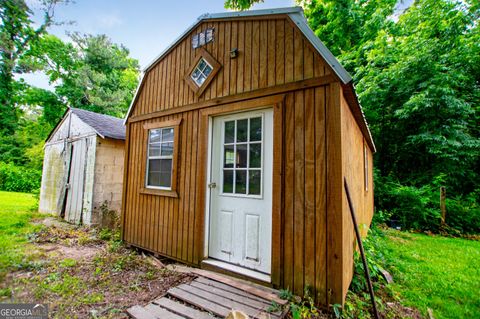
295, 13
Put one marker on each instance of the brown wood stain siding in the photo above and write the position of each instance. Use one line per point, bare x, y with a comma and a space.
267, 50
353, 144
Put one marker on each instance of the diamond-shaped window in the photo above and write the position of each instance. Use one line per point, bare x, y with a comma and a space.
202, 71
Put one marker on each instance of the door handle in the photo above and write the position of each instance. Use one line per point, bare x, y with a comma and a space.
212, 185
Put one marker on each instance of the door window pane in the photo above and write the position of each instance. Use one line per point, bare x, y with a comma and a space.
242, 155
230, 132
254, 182
229, 156
227, 181
242, 130
240, 182
256, 129
255, 155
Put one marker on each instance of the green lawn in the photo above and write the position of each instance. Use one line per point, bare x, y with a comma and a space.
435, 272
16, 210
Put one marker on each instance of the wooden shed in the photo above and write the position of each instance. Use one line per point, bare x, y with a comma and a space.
238, 140
83, 168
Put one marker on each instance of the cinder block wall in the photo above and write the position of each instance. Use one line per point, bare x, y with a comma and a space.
108, 177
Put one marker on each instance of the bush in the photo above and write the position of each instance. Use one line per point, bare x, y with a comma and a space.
418, 207
19, 179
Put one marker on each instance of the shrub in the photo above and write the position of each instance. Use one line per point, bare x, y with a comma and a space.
19, 179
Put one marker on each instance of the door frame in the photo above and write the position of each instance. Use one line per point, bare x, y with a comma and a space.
276, 102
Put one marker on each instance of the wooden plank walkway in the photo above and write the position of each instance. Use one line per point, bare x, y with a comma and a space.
211, 296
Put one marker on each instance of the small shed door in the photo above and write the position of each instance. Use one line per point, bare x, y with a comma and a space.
74, 204
241, 190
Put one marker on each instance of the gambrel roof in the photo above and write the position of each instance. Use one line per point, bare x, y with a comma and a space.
296, 15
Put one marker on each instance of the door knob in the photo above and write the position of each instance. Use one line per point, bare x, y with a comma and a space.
212, 185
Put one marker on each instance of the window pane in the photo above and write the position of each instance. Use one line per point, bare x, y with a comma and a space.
242, 127
155, 136
165, 172
241, 182
256, 155
256, 129
241, 155
229, 132
201, 79
154, 150
195, 73
227, 181
229, 156
167, 149
167, 134
153, 172
201, 64
254, 182
207, 70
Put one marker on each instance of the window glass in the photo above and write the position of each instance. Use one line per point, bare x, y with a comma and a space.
242, 156
160, 158
201, 72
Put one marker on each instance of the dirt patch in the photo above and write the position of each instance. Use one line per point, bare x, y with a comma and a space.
85, 273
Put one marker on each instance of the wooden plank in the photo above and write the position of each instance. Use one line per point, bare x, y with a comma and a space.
222, 293
241, 56
233, 62
334, 197
220, 300
194, 191
288, 53
309, 236
262, 293
138, 312
320, 197
227, 60
247, 78
161, 313
299, 194
199, 302
187, 190
280, 52
279, 89
263, 55
182, 310
288, 222
231, 289
278, 191
255, 54
271, 53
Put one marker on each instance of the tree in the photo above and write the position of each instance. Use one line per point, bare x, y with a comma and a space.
17, 34
90, 73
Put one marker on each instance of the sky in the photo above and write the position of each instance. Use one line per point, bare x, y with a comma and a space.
145, 27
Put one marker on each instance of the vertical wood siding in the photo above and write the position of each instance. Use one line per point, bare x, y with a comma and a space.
271, 52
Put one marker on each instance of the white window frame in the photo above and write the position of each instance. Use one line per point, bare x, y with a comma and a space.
170, 157
195, 80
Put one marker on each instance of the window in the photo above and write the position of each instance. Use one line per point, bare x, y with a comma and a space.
161, 158
201, 72
202, 38
242, 157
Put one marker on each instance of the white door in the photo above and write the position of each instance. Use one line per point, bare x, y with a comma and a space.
74, 203
240, 229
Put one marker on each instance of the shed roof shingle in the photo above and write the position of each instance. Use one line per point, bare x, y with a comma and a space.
104, 125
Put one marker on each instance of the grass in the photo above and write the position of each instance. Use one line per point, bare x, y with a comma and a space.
16, 210
435, 272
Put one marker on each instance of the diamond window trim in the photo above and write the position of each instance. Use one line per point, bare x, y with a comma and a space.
203, 76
